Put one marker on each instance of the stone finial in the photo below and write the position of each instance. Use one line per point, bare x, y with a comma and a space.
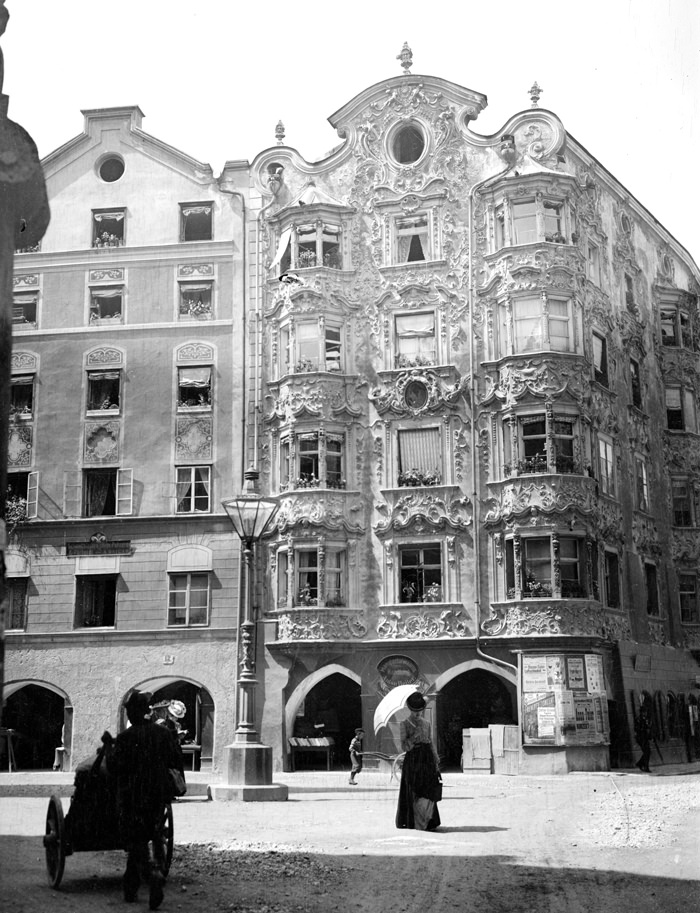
279, 133
406, 58
535, 93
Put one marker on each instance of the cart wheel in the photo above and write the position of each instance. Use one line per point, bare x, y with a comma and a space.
166, 835
55, 842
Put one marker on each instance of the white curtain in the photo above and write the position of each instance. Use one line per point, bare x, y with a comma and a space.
195, 377
282, 246
420, 450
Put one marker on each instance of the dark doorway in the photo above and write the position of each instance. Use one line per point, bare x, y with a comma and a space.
36, 714
332, 708
472, 700
198, 743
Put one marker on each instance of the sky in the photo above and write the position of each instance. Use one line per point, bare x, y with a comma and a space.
213, 78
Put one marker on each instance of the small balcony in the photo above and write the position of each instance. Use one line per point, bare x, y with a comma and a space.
545, 616
562, 465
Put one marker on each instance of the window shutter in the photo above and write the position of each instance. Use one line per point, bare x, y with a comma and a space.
72, 480
125, 492
32, 495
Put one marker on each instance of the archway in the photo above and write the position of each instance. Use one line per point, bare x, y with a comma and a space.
198, 744
472, 699
326, 705
41, 717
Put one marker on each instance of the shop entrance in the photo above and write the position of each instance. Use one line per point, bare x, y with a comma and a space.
332, 708
472, 700
33, 722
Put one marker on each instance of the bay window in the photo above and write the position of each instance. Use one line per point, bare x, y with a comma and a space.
529, 221
312, 460
535, 323
307, 245
676, 327
307, 346
415, 340
543, 443
545, 566
312, 577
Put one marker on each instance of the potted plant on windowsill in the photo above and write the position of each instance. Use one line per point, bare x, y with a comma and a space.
15, 513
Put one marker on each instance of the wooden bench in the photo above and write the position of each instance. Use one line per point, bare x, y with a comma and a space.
323, 745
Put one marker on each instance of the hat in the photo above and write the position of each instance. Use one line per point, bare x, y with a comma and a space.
138, 705
416, 701
358, 731
177, 709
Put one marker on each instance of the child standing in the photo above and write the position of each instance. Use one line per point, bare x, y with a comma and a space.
356, 756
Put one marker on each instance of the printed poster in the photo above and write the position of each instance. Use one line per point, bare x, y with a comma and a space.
546, 718
594, 672
555, 672
534, 673
575, 673
539, 717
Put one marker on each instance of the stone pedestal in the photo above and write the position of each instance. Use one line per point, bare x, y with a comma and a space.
248, 776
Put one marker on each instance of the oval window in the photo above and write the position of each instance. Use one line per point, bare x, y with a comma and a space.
408, 144
111, 169
415, 394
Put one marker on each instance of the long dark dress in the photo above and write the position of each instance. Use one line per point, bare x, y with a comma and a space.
420, 789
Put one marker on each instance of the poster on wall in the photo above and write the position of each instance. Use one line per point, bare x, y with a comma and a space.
564, 700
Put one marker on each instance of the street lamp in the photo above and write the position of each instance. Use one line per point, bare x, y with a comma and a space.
249, 762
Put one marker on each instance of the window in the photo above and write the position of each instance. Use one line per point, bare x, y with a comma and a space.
641, 483
540, 324
408, 144
612, 580
420, 457
107, 492
311, 346
318, 463
196, 222
600, 359
532, 441
421, 573
23, 490
24, 310
415, 340
111, 169
412, 242
104, 391
534, 444
195, 301
106, 305
635, 383
194, 388
95, 600
108, 228
688, 592
193, 489
305, 246
680, 495
680, 409
593, 263
188, 600
553, 222
652, 589
606, 466
524, 222
22, 396
676, 327
16, 610
629, 291
311, 567
540, 558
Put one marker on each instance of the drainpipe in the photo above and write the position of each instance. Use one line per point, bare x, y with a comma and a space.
472, 394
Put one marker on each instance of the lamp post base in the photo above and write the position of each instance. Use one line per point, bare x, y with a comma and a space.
249, 776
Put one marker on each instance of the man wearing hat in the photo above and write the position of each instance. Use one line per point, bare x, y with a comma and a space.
142, 757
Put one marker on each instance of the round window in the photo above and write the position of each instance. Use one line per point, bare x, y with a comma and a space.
111, 169
408, 144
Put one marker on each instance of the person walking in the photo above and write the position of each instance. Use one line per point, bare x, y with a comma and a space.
421, 785
142, 756
356, 756
643, 731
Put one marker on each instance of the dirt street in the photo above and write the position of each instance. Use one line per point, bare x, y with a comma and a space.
585, 843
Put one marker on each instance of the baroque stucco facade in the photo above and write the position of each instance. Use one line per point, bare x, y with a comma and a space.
470, 376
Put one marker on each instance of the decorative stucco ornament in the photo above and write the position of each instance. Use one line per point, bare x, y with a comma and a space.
279, 133
535, 91
406, 58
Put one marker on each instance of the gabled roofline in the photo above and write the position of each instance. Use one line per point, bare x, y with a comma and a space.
617, 188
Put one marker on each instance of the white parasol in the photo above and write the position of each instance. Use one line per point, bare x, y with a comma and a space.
391, 703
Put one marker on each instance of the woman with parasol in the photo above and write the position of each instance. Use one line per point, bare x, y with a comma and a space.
421, 785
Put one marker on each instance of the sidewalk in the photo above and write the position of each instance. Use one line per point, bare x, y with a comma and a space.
44, 783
